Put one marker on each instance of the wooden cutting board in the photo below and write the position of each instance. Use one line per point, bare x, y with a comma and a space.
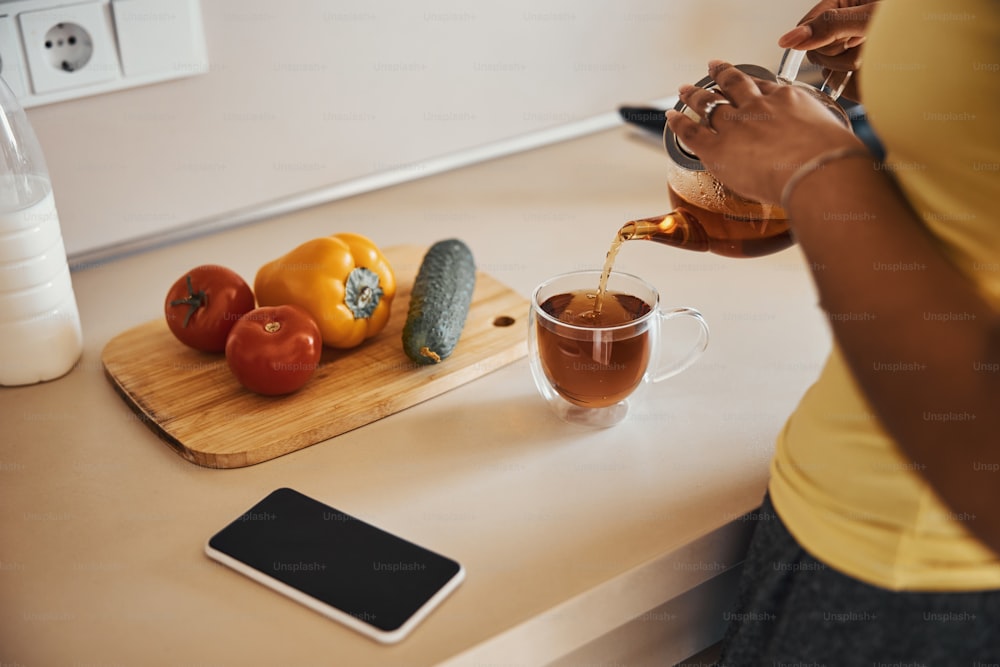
193, 402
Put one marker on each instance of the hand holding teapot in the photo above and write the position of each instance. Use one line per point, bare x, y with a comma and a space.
765, 129
767, 126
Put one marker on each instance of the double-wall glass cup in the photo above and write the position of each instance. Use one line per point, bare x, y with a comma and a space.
592, 370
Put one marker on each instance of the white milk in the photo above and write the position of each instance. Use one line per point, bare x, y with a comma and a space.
40, 335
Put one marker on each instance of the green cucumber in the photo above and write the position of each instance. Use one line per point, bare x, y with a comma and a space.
439, 304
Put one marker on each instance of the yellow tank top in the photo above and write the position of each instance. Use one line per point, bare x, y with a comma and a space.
930, 82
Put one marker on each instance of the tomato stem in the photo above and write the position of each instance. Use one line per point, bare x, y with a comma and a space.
194, 301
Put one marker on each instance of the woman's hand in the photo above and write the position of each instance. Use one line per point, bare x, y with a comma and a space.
758, 133
832, 33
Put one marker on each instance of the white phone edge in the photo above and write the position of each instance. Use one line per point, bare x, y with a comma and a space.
342, 617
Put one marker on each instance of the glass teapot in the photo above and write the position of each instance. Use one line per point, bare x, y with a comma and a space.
708, 216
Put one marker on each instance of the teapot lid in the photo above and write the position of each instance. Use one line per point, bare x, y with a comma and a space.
680, 153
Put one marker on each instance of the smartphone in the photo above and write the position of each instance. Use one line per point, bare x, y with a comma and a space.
371, 581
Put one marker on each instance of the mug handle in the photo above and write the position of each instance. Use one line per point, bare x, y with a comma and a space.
688, 358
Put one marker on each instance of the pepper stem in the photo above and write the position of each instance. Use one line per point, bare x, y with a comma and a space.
362, 292
365, 297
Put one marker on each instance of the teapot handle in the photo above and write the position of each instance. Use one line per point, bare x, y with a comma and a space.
788, 71
791, 61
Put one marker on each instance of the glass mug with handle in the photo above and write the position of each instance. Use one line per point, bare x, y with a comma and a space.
591, 368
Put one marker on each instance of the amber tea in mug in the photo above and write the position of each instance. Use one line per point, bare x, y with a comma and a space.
590, 360
588, 372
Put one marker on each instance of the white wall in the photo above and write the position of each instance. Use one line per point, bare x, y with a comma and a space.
303, 94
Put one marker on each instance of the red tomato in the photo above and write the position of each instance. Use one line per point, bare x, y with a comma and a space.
274, 350
203, 305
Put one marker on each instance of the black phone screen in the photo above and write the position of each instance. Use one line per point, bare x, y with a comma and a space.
367, 573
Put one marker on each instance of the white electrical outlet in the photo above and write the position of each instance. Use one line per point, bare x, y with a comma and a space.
55, 50
69, 46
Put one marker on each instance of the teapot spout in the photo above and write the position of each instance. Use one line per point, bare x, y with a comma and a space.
641, 229
677, 228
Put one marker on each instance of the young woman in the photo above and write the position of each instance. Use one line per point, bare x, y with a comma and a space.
884, 497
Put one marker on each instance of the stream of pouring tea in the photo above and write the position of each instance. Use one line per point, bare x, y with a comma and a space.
628, 231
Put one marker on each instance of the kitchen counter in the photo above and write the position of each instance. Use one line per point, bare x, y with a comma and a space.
580, 546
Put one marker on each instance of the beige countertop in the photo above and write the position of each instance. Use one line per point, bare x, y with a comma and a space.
566, 534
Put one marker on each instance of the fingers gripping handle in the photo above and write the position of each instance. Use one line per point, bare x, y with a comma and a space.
664, 370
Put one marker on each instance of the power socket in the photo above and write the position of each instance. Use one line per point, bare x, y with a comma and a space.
57, 50
69, 46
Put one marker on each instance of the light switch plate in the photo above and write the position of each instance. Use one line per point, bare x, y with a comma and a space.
159, 36
11, 60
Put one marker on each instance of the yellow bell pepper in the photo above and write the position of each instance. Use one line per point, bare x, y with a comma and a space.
343, 280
